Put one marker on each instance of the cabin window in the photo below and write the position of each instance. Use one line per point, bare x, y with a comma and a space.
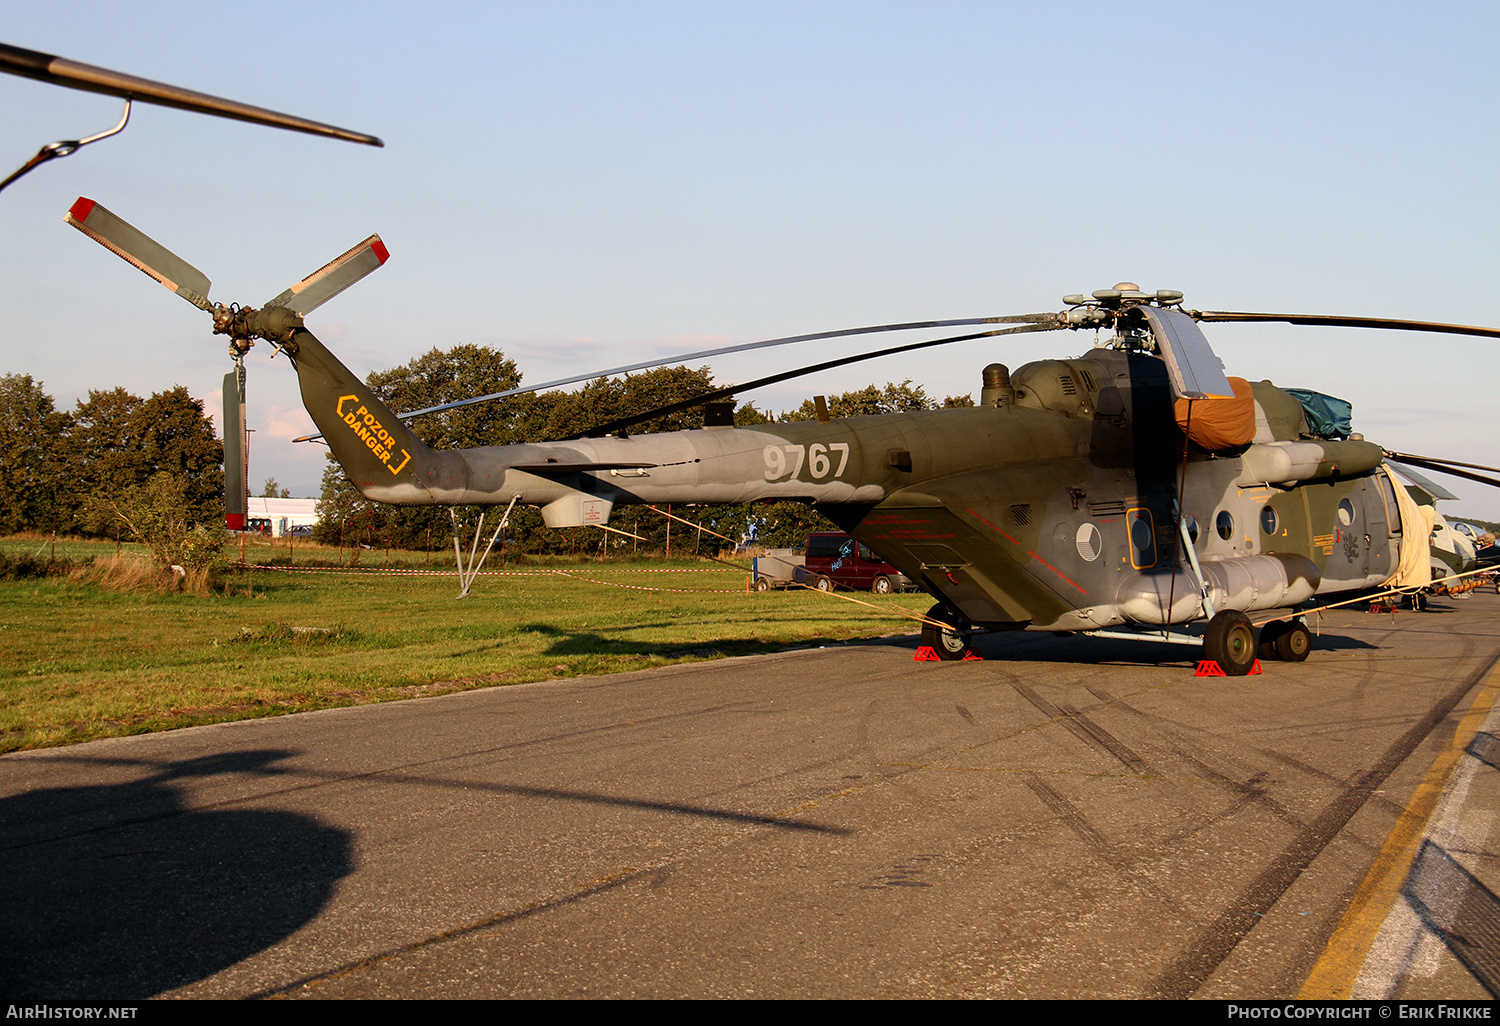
1346, 512
1224, 524
1270, 522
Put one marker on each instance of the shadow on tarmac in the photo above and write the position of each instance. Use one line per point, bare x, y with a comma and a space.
120, 891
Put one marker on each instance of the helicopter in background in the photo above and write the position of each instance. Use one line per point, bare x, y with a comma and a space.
1119, 494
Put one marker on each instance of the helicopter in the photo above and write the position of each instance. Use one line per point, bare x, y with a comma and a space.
1121, 494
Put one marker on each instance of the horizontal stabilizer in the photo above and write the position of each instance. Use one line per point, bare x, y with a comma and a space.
559, 467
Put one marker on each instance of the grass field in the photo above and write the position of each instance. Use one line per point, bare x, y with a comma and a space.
80, 662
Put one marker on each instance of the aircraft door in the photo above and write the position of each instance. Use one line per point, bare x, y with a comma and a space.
1382, 520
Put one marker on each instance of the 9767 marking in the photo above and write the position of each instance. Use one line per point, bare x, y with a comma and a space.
817, 456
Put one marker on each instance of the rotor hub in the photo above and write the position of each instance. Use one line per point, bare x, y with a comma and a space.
1117, 307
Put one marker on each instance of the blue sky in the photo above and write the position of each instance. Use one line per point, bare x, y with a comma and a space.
583, 184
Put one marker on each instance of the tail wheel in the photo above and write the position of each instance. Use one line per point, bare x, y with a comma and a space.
1294, 643
952, 641
1230, 642
881, 585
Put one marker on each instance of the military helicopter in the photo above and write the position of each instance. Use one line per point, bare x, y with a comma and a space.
1118, 494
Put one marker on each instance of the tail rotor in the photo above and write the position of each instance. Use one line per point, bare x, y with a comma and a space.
274, 321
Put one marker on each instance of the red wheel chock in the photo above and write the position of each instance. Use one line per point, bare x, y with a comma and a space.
1209, 668
926, 654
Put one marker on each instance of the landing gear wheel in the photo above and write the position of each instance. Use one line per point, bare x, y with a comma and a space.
1270, 634
952, 641
1230, 642
881, 585
823, 584
762, 584
1294, 642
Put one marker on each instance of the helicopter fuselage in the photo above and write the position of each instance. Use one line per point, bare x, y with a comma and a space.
1054, 508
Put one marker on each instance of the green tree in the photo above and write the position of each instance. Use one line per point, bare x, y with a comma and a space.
104, 447
176, 438
32, 455
438, 377
119, 442
868, 402
273, 490
552, 415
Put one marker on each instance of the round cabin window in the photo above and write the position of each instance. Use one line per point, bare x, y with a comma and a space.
1224, 524
1269, 521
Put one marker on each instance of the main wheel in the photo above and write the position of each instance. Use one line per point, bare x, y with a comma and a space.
1230, 642
1294, 643
1269, 635
881, 585
952, 641
823, 583
762, 584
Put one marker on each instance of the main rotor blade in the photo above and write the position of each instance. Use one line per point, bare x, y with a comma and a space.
743, 347
60, 71
333, 277
1445, 466
724, 393
134, 246
1052, 320
1347, 322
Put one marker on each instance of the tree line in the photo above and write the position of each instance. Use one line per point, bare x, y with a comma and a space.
76, 470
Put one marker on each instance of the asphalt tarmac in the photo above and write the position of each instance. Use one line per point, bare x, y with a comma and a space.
1068, 818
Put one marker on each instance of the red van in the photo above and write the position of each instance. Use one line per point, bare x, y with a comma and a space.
835, 559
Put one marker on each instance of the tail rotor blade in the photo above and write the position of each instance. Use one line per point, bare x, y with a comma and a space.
135, 247
235, 486
333, 277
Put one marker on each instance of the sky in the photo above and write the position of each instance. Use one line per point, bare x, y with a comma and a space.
584, 184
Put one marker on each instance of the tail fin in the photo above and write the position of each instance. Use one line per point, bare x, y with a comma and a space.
381, 455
